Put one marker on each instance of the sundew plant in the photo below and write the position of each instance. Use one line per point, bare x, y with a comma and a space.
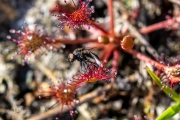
89, 60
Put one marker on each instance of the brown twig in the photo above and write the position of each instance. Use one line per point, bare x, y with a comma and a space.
14, 114
175, 1
7, 10
46, 71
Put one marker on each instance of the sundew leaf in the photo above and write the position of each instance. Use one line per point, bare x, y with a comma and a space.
170, 112
166, 89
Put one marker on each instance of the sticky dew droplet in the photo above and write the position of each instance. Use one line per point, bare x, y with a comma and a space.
16, 53
76, 112
8, 37
71, 112
65, 91
63, 46
23, 62
12, 58
8, 50
12, 31
51, 47
29, 37
162, 83
77, 101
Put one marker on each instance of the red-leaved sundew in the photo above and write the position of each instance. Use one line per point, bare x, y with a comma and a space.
94, 73
64, 94
81, 15
29, 40
169, 73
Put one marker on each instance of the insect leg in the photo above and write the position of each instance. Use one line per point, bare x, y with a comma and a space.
85, 66
81, 65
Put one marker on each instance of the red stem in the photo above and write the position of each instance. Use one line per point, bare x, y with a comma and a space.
115, 62
144, 58
108, 50
102, 54
95, 46
98, 27
157, 26
110, 10
77, 41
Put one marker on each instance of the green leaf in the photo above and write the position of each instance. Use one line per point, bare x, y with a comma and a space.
166, 89
170, 112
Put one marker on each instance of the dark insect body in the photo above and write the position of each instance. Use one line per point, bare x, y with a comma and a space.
84, 56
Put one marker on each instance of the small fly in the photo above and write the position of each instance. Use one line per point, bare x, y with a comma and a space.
84, 56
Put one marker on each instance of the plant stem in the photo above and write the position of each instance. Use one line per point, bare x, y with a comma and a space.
108, 50
98, 27
77, 41
95, 46
144, 58
110, 11
115, 62
157, 26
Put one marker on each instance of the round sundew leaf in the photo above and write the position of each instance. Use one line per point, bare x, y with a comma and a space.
77, 18
103, 39
127, 43
167, 90
29, 40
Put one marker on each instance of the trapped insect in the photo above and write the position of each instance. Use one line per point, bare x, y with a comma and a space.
84, 56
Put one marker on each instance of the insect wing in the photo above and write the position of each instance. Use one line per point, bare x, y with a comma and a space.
96, 59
